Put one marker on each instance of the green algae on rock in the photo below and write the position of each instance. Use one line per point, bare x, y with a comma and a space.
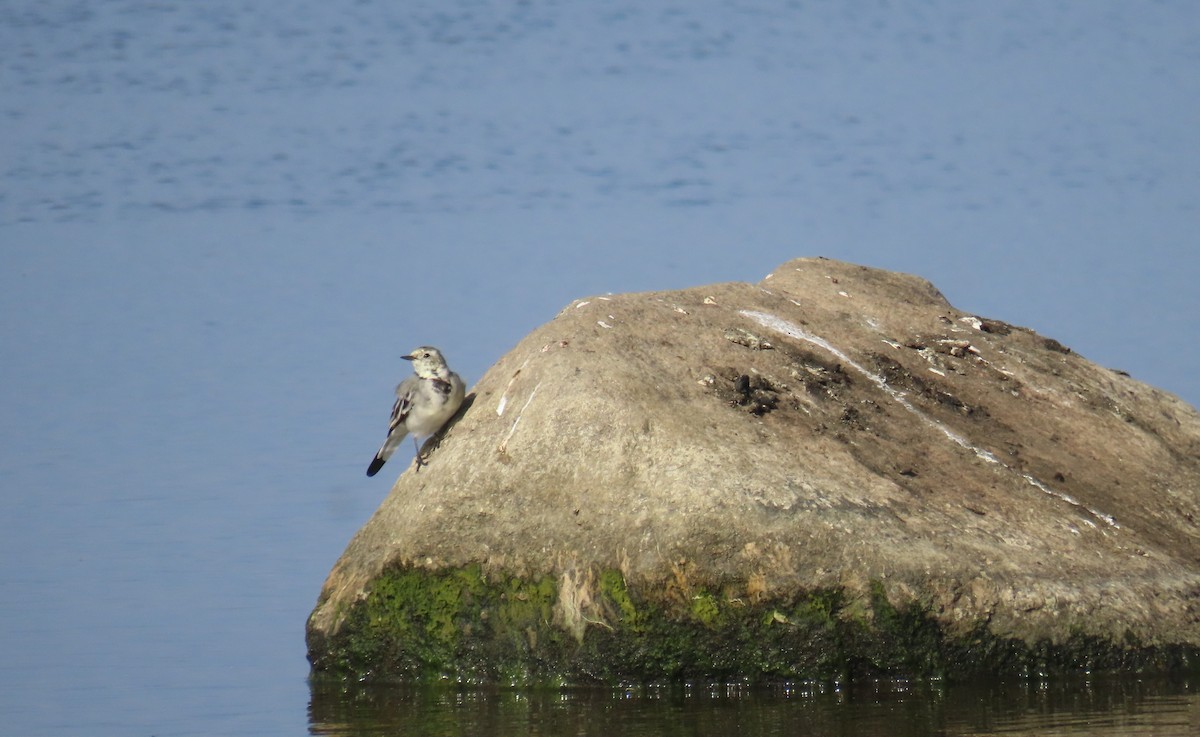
465, 626
829, 473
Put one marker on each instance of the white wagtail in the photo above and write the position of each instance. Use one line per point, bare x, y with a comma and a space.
424, 402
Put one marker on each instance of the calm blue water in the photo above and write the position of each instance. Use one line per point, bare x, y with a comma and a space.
222, 223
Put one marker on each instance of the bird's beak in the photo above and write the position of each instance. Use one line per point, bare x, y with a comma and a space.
408, 358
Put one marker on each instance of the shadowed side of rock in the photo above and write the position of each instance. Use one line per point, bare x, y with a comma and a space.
831, 472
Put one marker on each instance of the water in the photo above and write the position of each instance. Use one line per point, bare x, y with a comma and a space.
1115, 708
211, 214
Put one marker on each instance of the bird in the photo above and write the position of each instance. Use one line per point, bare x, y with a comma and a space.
425, 401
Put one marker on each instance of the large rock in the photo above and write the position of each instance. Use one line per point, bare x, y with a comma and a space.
829, 472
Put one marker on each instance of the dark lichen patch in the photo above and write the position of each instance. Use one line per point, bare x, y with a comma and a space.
898, 376
756, 394
996, 327
470, 625
820, 377
1054, 345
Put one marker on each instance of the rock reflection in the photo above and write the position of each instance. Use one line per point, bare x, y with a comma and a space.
1107, 707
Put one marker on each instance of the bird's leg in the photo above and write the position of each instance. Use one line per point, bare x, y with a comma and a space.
420, 461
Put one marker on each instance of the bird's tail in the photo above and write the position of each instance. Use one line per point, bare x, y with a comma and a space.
376, 464
385, 452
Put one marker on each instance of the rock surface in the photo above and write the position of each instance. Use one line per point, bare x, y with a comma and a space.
836, 442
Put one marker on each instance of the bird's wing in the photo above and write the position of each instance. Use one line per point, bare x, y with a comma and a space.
406, 393
405, 396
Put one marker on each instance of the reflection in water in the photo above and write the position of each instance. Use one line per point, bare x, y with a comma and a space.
1101, 707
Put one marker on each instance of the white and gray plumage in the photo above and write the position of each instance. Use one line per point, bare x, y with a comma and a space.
424, 402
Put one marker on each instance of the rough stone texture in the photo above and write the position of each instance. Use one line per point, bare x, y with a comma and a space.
834, 427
